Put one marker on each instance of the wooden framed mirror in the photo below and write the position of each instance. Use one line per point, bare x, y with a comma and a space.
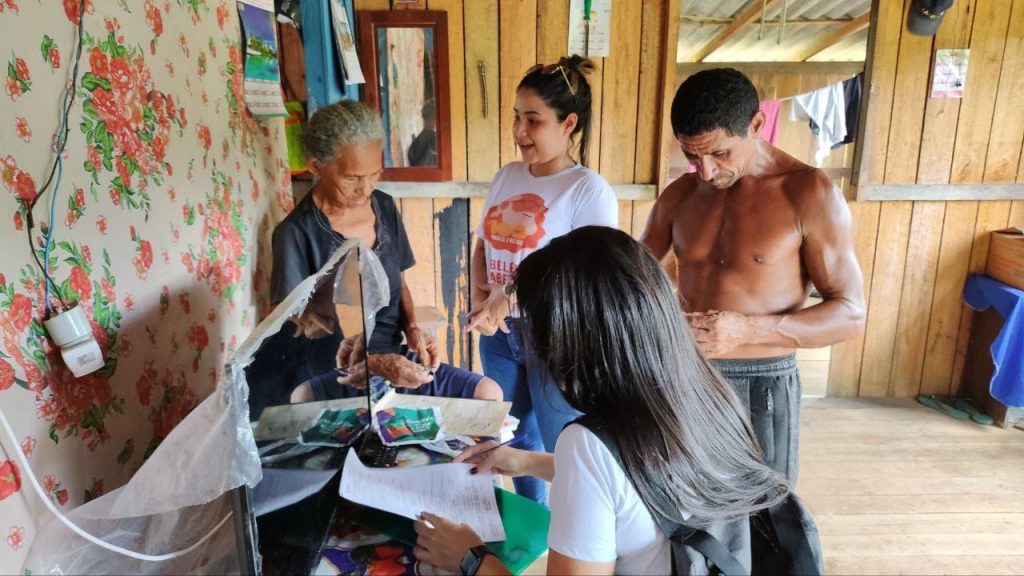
404, 55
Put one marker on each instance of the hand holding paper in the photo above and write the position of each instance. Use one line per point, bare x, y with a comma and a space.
463, 498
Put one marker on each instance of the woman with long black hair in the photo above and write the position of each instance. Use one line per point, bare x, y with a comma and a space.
602, 316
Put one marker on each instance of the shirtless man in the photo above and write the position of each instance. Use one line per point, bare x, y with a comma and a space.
752, 230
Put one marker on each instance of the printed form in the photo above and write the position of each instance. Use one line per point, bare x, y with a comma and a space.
448, 490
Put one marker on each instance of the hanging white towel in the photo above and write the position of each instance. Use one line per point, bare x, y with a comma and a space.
825, 108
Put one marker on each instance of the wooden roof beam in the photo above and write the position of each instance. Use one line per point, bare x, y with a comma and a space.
849, 29
748, 15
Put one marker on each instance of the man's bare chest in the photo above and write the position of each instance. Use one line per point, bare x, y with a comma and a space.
736, 235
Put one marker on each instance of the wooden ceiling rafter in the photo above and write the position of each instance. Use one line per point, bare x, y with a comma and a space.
711, 20
854, 26
753, 9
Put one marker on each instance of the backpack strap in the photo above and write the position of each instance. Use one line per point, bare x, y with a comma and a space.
701, 541
795, 534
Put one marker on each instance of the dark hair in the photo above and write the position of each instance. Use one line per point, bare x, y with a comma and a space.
428, 112
564, 88
718, 98
602, 317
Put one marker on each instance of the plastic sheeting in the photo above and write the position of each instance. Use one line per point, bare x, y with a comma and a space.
180, 494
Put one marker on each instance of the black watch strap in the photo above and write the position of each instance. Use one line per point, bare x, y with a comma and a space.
473, 559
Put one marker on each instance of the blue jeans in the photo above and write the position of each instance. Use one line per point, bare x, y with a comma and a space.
541, 409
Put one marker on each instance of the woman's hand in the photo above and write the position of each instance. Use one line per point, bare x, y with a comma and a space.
504, 460
399, 370
425, 347
352, 351
489, 312
443, 543
311, 324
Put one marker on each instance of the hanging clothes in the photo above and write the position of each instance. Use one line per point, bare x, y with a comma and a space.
825, 109
852, 93
771, 108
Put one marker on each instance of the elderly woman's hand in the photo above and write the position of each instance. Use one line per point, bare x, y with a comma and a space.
311, 324
443, 543
399, 370
351, 351
425, 347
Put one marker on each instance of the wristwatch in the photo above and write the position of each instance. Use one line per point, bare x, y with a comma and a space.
473, 559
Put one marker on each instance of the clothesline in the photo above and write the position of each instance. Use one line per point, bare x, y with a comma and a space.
786, 98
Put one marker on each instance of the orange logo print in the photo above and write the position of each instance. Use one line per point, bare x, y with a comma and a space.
516, 223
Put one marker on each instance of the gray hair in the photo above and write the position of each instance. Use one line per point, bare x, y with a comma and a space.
340, 124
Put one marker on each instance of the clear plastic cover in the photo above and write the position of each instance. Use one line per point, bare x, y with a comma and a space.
182, 492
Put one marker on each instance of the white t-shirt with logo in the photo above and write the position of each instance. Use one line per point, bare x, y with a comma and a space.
525, 212
596, 513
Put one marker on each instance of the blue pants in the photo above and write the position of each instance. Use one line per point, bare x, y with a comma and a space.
536, 401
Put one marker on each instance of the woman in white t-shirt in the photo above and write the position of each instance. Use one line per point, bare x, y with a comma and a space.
530, 202
605, 321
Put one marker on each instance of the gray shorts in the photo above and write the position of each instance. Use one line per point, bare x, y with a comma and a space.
770, 389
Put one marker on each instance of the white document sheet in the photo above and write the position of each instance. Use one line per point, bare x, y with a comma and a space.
343, 36
448, 490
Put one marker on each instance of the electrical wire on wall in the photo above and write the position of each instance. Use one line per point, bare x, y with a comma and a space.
58, 171
55, 176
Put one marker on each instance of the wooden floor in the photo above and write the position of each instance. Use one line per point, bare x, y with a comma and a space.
897, 488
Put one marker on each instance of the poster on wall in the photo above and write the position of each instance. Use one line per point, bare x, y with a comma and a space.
346, 44
950, 74
590, 37
262, 78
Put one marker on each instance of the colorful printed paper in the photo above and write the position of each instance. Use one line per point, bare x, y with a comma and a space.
336, 427
262, 78
400, 426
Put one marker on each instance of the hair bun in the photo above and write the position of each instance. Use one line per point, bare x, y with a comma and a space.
577, 64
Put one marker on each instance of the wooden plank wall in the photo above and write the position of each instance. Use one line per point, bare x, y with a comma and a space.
916, 255
509, 36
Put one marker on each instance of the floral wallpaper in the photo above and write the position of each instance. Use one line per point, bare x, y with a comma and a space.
167, 195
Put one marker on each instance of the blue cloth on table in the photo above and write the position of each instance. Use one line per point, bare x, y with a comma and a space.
981, 293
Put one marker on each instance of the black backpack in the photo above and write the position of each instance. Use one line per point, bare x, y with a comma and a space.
782, 539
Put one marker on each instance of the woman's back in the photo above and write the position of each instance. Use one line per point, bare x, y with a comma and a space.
596, 514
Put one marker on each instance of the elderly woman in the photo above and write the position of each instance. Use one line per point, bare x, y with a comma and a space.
343, 144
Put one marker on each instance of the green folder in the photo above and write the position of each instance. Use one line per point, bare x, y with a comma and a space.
526, 528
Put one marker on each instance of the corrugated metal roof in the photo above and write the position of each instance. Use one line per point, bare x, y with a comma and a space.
702, 20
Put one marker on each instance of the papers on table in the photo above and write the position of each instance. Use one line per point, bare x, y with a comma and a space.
462, 416
287, 421
447, 490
